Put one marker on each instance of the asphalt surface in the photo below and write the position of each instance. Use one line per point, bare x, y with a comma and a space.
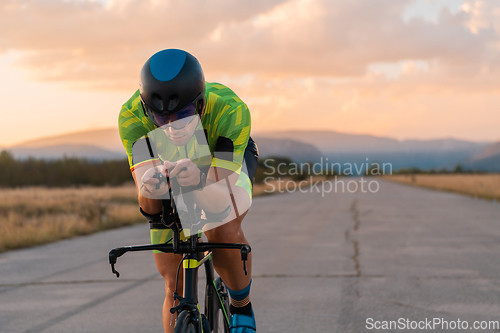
333, 263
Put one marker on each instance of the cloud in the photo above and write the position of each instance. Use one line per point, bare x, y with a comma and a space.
105, 45
342, 38
355, 66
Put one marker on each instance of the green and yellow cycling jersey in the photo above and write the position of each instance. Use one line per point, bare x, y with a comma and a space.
226, 123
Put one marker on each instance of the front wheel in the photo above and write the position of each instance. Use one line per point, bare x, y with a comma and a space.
185, 323
218, 307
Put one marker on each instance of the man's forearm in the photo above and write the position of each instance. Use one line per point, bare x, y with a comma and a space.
214, 198
148, 205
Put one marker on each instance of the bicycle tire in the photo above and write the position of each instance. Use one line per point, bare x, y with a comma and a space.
217, 302
185, 324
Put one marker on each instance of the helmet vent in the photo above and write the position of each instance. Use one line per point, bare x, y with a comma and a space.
157, 101
173, 100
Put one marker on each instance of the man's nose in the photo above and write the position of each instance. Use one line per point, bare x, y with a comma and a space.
173, 130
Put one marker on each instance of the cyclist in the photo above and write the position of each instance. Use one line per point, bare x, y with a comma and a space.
174, 98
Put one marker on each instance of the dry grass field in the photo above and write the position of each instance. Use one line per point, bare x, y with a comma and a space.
485, 186
36, 215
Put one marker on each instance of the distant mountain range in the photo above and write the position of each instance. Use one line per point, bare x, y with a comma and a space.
296, 150
69, 150
107, 139
93, 144
488, 152
106, 144
300, 146
336, 142
424, 154
487, 159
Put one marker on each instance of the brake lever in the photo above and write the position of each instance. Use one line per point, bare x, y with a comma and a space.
161, 179
245, 250
112, 261
113, 255
113, 270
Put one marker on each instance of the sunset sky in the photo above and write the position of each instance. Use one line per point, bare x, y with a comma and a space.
406, 69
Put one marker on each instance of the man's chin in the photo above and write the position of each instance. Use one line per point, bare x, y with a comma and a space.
179, 141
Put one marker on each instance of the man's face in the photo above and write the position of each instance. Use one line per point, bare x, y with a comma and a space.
180, 137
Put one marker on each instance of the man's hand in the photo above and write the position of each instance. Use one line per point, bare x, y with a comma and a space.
185, 170
149, 183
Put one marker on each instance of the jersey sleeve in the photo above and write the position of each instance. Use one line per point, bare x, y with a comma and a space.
143, 153
234, 125
134, 125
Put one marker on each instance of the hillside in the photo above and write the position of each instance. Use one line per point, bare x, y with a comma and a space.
487, 159
107, 139
489, 164
299, 145
488, 151
106, 144
336, 142
296, 150
68, 150
352, 148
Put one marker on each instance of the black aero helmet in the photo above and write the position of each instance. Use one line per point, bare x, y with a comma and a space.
170, 81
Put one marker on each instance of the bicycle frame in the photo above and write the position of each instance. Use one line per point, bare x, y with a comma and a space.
191, 263
193, 259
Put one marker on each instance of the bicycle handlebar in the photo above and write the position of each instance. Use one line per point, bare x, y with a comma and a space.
187, 247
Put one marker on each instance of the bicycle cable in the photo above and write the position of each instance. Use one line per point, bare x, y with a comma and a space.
178, 271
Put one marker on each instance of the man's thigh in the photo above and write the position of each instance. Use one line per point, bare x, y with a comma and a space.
167, 264
229, 232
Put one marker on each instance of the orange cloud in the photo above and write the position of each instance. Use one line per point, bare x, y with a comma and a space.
90, 42
354, 66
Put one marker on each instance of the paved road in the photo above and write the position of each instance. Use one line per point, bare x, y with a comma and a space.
321, 264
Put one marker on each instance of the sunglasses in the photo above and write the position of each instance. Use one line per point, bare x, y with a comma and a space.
179, 119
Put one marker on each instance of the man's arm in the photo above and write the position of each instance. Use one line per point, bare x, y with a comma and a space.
146, 191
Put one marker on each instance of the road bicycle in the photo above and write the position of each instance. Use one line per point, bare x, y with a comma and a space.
189, 317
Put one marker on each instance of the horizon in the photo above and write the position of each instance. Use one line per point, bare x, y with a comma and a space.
407, 69
253, 134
